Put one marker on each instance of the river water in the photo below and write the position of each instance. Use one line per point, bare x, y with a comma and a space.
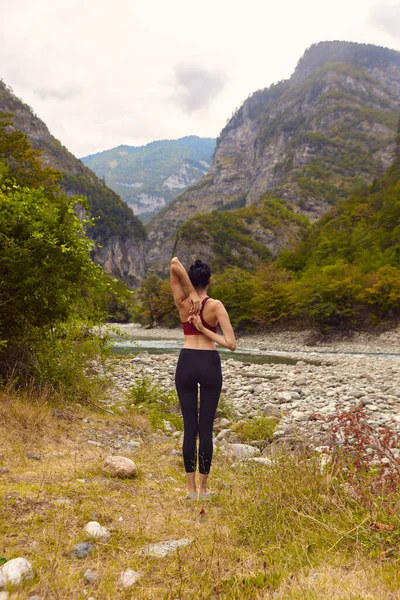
120, 345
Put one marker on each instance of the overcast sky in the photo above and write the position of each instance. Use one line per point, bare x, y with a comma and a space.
101, 74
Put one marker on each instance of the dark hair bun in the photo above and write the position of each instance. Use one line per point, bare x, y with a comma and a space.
199, 274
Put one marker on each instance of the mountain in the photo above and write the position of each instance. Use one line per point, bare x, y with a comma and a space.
119, 234
149, 177
241, 238
307, 140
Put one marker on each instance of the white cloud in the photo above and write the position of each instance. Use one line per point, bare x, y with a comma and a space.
387, 18
61, 93
196, 87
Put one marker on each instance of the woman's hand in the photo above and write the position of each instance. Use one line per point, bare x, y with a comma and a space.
196, 303
195, 319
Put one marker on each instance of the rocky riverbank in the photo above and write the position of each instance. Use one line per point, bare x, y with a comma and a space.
305, 397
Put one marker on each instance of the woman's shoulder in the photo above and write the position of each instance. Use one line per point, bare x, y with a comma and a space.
213, 303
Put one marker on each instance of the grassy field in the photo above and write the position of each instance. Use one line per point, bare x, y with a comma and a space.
291, 530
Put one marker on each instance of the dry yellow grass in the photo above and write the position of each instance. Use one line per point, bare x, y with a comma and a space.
234, 554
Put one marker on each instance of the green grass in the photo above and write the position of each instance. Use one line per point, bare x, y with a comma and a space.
288, 530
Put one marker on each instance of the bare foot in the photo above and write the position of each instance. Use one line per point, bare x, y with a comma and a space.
191, 480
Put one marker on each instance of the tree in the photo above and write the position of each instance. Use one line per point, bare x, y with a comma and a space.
47, 279
49, 286
20, 163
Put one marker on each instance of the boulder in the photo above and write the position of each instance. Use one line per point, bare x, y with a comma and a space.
94, 530
128, 578
119, 466
82, 549
224, 433
284, 396
240, 451
261, 460
164, 548
222, 423
90, 576
271, 410
15, 572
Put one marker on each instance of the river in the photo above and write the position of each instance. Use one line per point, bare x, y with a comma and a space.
121, 345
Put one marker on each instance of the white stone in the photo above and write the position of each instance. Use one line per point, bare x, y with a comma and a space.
128, 578
94, 530
299, 416
133, 444
322, 449
262, 460
240, 451
90, 576
164, 548
120, 466
224, 433
284, 396
168, 426
223, 423
15, 571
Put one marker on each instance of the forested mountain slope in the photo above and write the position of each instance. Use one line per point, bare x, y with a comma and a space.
149, 177
307, 140
242, 237
344, 274
119, 233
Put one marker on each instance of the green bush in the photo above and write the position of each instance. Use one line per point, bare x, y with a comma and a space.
259, 428
48, 286
153, 401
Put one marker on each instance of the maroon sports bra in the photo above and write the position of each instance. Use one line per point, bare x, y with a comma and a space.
190, 329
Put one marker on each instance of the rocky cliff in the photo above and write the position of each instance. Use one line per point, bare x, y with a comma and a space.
149, 177
120, 236
307, 140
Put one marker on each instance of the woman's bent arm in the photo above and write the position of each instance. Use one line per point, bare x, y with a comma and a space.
219, 339
227, 339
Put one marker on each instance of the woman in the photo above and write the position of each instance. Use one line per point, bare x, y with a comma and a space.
199, 363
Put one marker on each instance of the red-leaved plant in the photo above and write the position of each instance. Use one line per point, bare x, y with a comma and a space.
370, 454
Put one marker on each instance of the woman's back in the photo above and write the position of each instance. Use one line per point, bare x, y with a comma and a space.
194, 338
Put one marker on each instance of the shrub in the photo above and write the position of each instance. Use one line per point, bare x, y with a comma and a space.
257, 429
369, 455
48, 287
156, 403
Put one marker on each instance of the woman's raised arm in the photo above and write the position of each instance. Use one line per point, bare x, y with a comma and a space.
180, 281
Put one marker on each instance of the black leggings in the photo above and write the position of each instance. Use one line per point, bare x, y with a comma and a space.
195, 367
